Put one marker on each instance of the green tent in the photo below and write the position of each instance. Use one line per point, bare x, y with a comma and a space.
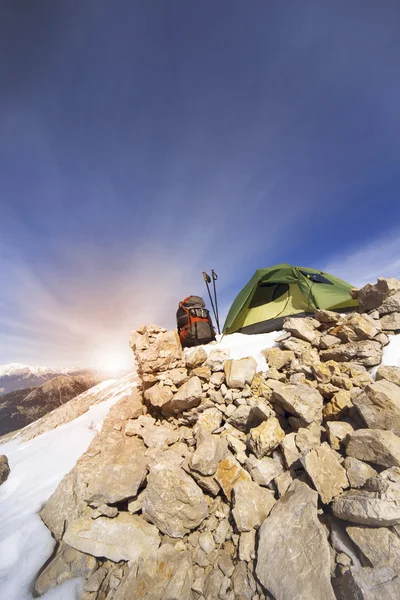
275, 293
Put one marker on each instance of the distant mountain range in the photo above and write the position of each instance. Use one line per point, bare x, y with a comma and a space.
16, 376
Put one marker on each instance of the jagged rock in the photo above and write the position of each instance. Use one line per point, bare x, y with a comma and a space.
379, 545
325, 471
374, 295
173, 501
266, 437
247, 545
391, 374
175, 376
328, 341
290, 450
163, 353
277, 358
337, 432
206, 542
379, 406
104, 511
203, 373
210, 420
252, 504
367, 353
377, 504
390, 322
68, 563
301, 401
308, 437
263, 470
245, 417
207, 483
195, 357
216, 360
212, 584
166, 575
370, 584
154, 436
209, 453
358, 472
127, 537
242, 587
327, 316
321, 372
293, 559
229, 473
357, 327
188, 396
301, 328
4, 468
94, 582
158, 395
136, 504
338, 406
239, 373
375, 446
390, 305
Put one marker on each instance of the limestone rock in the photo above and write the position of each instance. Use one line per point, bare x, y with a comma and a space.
210, 420
195, 357
127, 537
358, 327
337, 432
367, 353
104, 511
390, 305
376, 505
252, 504
216, 360
327, 316
209, 453
289, 449
370, 584
166, 575
379, 406
68, 563
158, 395
163, 353
308, 437
301, 328
277, 358
242, 582
301, 401
240, 372
293, 559
247, 545
390, 322
154, 436
378, 544
325, 471
229, 473
375, 446
358, 472
266, 437
173, 501
188, 396
263, 470
4, 468
208, 483
245, 418
372, 296
391, 374
338, 407
328, 341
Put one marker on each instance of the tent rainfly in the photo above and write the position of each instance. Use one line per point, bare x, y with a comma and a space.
273, 294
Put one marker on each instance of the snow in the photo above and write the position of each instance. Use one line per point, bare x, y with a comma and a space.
241, 345
391, 352
37, 467
12, 369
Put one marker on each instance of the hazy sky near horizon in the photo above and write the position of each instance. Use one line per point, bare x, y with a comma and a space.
142, 142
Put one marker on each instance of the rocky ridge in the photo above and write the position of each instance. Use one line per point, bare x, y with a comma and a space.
211, 480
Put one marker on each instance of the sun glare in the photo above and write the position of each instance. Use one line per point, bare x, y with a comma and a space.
112, 360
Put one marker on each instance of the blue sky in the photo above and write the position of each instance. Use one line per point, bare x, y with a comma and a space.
143, 142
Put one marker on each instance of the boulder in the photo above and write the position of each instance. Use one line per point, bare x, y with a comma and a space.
266, 437
303, 329
308, 437
293, 558
4, 468
376, 505
229, 472
325, 471
240, 372
375, 446
209, 453
126, 537
337, 432
166, 575
390, 322
379, 406
371, 296
263, 470
390, 305
358, 472
300, 400
252, 504
277, 358
290, 450
327, 316
173, 501
378, 545
245, 418
370, 584
154, 436
195, 357
358, 327
367, 353
158, 395
188, 396
391, 374
338, 406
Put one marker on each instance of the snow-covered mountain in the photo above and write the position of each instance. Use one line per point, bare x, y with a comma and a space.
17, 376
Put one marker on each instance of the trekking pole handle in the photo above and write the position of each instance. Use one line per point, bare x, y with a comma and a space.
214, 275
207, 278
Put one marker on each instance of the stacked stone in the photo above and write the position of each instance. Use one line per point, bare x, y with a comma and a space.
215, 481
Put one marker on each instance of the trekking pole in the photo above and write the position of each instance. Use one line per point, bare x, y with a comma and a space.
207, 280
214, 278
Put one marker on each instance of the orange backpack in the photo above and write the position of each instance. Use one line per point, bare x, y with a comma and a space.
194, 322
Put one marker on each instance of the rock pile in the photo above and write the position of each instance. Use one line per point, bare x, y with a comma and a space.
215, 481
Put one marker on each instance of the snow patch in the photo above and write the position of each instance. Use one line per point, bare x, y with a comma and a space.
391, 352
